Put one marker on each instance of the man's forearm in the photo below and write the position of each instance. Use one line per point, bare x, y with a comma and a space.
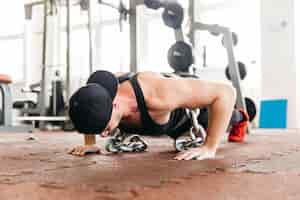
219, 117
89, 139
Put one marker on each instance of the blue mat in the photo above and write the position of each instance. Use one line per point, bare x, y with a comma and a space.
273, 113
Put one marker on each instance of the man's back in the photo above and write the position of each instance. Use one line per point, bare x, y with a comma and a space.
150, 118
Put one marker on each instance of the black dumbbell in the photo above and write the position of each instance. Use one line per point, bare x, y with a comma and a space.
251, 108
173, 15
242, 69
153, 4
180, 56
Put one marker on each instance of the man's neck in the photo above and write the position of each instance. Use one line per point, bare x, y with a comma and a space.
127, 106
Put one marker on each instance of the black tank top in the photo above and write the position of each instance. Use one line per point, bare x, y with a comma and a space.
177, 124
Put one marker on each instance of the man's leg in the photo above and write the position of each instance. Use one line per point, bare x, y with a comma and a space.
238, 124
236, 117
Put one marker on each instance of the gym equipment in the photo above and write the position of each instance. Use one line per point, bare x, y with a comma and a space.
197, 134
229, 40
185, 143
251, 108
228, 44
57, 103
242, 70
173, 15
122, 142
6, 108
235, 39
153, 4
39, 110
90, 36
31, 110
214, 33
180, 56
1, 117
123, 11
6, 101
84, 4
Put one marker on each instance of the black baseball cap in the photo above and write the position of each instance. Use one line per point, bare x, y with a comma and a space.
91, 105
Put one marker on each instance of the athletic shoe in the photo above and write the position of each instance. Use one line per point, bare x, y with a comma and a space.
238, 130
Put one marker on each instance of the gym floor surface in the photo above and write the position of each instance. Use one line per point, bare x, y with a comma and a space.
266, 166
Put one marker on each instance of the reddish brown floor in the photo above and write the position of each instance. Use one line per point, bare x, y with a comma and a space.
266, 166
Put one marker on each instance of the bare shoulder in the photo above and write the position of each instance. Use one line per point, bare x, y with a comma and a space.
150, 79
157, 83
174, 93
148, 75
158, 90
171, 93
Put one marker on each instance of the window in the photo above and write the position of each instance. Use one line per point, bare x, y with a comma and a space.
242, 17
114, 48
12, 61
158, 39
11, 39
12, 15
110, 47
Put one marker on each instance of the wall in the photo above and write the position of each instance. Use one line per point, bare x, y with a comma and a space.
297, 53
278, 54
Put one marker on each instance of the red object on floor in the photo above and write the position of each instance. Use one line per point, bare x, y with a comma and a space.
238, 131
5, 79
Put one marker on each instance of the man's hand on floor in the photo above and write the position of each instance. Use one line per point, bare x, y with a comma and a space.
83, 150
199, 153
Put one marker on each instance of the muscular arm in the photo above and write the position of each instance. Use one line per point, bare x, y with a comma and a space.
194, 93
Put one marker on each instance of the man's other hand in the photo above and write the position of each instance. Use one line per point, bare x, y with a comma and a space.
83, 150
199, 153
